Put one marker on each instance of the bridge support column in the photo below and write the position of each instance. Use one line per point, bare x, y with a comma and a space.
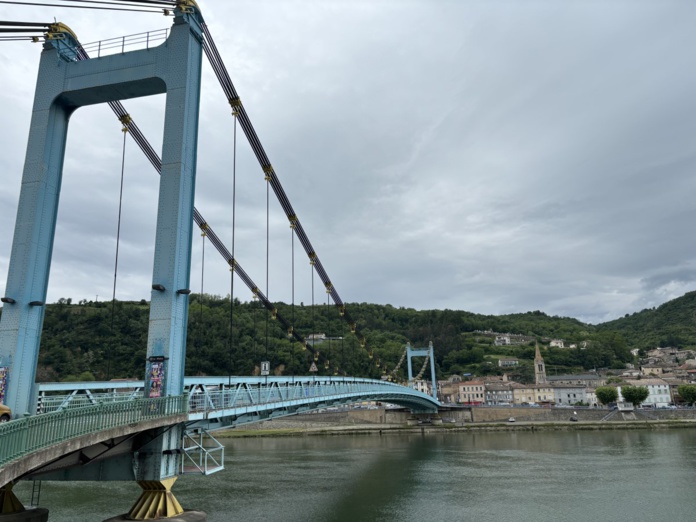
157, 502
12, 510
9, 503
65, 84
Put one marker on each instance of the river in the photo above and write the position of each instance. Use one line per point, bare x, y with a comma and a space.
554, 476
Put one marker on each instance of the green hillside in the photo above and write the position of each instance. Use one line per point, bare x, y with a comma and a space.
671, 324
103, 341
99, 341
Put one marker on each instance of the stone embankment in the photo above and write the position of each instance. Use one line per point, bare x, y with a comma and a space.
464, 419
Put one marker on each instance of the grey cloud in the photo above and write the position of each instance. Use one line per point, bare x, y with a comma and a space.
489, 156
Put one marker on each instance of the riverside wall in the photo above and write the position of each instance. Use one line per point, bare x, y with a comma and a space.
498, 414
364, 418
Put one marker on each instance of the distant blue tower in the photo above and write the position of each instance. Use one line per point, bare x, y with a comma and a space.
64, 84
428, 352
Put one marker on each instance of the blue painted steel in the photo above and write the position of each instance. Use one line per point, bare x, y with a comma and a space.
246, 399
65, 84
211, 403
422, 352
22, 437
215, 403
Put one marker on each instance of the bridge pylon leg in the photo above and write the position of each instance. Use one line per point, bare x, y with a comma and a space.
9, 503
156, 500
12, 510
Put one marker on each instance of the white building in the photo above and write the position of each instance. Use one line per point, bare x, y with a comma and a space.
422, 386
657, 388
591, 398
569, 394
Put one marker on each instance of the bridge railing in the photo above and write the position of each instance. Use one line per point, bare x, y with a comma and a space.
121, 44
22, 437
53, 403
251, 394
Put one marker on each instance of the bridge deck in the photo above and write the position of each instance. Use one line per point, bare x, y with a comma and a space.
72, 411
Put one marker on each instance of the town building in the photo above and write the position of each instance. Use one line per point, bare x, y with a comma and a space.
448, 391
422, 386
658, 392
658, 369
591, 398
569, 394
472, 392
498, 393
506, 362
586, 379
532, 394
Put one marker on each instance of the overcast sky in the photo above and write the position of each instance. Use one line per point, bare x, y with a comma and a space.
488, 156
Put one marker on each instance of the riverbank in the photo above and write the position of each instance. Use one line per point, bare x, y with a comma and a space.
316, 425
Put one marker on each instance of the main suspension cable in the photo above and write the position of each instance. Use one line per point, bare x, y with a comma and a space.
36, 4
130, 3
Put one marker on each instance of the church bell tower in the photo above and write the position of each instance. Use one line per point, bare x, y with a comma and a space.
539, 367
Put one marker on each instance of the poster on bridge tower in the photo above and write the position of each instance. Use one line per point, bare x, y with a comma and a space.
156, 377
3, 383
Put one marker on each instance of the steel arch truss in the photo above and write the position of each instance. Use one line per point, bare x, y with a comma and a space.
224, 402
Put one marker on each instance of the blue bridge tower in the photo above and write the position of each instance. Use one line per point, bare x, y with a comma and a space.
66, 82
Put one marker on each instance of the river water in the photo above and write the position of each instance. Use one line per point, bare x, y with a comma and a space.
555, 476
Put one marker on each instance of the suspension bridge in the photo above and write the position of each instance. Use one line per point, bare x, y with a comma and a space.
153, 430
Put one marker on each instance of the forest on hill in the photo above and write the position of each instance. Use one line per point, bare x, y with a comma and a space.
105, 340
670, 324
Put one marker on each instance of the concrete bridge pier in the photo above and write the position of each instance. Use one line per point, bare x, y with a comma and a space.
28, 515
186, 516
12, 510
157, 502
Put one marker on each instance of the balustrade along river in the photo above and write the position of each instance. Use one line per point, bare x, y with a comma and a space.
555, 476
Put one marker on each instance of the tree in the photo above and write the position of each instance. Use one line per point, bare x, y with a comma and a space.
606, 394
635, 394
687, 392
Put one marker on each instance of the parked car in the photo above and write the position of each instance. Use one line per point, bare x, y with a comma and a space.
511, 419
573, 419
5, 413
